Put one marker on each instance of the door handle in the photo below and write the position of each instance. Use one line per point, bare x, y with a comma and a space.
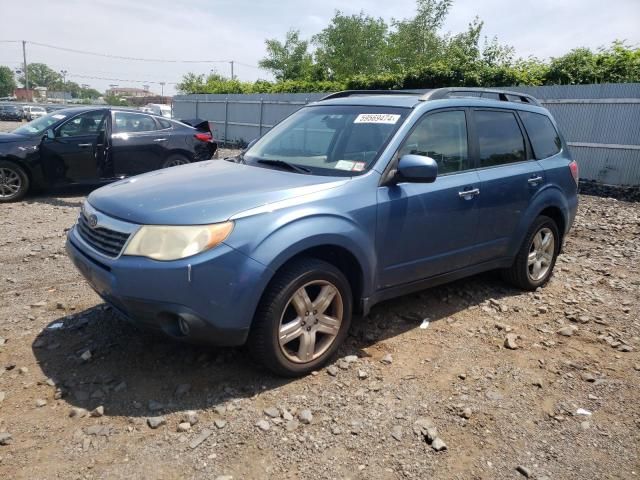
469, 194
84, 145
159, 139
534, 180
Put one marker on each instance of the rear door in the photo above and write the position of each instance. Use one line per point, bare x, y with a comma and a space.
425, 229
137, 143
509, 177
73, 155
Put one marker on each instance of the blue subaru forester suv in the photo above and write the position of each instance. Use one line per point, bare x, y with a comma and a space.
351, 200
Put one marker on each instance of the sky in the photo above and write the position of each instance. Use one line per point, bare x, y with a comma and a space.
222, 30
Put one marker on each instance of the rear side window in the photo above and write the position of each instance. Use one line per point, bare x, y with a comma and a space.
443, 137
499, 138
542, 134
164, 123
126, 122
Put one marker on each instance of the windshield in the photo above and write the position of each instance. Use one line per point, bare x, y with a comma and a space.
39, 125
329, 140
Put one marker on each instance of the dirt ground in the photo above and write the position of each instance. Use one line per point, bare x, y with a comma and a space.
563, 404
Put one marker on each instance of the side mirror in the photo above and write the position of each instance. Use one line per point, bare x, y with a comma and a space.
417, 169
50, 134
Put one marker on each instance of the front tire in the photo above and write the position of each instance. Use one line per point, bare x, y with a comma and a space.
303, 317
533, 265
14, 182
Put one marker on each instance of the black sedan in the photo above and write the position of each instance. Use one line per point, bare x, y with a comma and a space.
95, 145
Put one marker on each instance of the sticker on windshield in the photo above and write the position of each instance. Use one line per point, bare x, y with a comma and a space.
344, 165
358, 166
58, 116
388, 118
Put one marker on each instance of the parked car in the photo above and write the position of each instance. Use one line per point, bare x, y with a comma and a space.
31, 112
11, 112
93, 145
350, 201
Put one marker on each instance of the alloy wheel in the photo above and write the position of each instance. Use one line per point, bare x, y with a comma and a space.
309, 327
541, 254
10, 183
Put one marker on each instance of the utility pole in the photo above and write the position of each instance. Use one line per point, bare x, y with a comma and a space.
26, 72
64, 82
232, 76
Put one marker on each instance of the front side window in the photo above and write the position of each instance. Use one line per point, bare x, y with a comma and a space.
89, 123
500, 139
543, 136
329, 140
126, 122
443, 137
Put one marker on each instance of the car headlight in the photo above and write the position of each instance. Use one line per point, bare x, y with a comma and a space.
175, 242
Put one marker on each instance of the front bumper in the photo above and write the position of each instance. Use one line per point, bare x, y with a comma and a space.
209, 298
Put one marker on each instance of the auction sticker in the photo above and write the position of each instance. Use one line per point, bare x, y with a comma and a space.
344, 165
388, 118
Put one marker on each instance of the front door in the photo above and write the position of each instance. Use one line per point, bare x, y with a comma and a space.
74, 154
426, 229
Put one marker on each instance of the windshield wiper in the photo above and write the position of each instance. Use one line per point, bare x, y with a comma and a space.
237, 159
286, 165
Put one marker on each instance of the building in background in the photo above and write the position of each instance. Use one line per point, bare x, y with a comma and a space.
129, 92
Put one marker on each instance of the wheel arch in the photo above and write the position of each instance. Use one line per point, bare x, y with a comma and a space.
550, 202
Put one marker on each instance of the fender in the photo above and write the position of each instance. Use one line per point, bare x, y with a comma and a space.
548, 196
299, 231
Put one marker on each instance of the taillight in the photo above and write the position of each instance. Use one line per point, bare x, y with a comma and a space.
573, 166
204, 136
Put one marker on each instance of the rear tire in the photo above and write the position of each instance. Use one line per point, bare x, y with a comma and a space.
175, 160
533, 265
303, 317
14, 182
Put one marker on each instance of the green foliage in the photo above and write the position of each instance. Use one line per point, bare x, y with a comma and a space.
363, 52
351, 45
7, 82
289, 60
115, 101
40, 75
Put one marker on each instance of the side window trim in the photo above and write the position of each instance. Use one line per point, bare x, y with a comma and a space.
394, 159
476, 140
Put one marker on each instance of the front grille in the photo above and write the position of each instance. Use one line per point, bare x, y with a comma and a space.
104, 240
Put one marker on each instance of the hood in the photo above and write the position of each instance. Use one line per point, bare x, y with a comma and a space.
12, 137
202, 193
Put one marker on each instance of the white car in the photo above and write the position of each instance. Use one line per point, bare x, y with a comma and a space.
158, 109
31, 113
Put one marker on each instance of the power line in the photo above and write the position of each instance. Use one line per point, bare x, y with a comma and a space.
119, 79
120, 57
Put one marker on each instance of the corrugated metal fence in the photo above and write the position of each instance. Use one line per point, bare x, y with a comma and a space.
601, 123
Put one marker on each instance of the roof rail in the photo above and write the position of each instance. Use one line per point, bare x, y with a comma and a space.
502, 95
352, 93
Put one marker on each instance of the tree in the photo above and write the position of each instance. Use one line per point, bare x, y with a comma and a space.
40, 75
7, 81
289, 60
191, 83
415, 41
352, 45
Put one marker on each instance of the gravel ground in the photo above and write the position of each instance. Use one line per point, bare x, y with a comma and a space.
539, 385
